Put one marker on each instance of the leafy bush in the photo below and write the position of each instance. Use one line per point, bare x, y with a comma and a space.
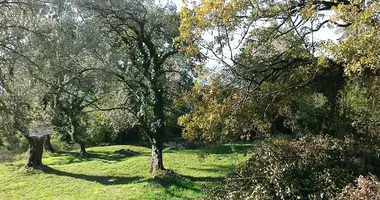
60, 143
360, 107
101, 130
368, 187
311, 113
312, 167
218, 114
12, 146
15, 142
129, 135
6, 155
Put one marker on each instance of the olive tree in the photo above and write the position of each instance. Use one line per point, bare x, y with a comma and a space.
20, 100
143, 58
74, 77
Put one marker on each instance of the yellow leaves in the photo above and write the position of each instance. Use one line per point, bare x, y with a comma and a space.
323, 61
308, 11
210, 13
206, 15
218, 112
360, 48
184, 119
190, 50
210, 110
197, 88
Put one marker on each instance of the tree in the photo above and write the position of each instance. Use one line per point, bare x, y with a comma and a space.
359, 47
19, 99
74, 75
319, 86
141, 34
266, 51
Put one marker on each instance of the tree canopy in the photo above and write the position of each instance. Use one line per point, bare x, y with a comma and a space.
104, 72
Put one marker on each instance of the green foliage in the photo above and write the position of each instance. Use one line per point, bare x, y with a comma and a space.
208, 115
316, 167
217, 115
360, 109
56, 60
360, 48
311, 112
101, 130
15, 142
61, 143
11, 146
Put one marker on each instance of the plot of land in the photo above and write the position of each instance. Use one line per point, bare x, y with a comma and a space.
109, 174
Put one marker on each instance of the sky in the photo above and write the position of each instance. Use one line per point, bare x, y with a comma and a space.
323, 34
178, 3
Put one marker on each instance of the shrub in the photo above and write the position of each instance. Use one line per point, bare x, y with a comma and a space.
12, 147
129, 135
101, 130
6, 155
311, 113
360, 108
312, 167
15, 142
60, 143
368, 187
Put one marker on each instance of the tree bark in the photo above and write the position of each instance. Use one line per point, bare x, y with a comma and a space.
157, 141
156, 162
82, 151
75, 134
47, 145
35, 151
36, 147
81, 145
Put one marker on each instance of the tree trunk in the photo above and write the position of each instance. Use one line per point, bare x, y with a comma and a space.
82, 151
156, 163
157, 141
80, 144
35, 151
76, 130
47, 145
36, 145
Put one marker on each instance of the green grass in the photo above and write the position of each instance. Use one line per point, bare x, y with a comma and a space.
107, 175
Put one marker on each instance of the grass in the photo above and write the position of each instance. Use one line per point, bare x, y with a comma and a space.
107, 175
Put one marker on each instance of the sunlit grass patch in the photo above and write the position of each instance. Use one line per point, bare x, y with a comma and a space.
108, 174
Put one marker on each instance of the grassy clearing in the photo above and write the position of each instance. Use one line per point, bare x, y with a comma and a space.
108, 175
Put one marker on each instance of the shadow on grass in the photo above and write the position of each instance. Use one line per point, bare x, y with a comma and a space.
105, 156
183, 182
204, 179
229, 149
220, 149
114, 156
171, 185
214, 169
104, 180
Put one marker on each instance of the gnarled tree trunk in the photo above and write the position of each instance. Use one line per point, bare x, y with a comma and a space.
36, 147
47, 145
82, 150
156, 163
35, 151
76, 130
